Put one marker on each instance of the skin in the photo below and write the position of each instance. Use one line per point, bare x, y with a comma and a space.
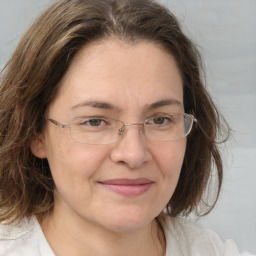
87, 216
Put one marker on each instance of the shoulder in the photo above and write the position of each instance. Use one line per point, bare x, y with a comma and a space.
187, 237
18, 239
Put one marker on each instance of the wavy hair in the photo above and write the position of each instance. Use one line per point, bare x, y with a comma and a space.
30, 81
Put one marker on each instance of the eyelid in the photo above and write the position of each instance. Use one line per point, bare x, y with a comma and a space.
90, 117
159, 115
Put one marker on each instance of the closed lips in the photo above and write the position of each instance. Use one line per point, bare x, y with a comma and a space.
128, 187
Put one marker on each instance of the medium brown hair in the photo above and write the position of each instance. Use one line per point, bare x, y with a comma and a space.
30, 81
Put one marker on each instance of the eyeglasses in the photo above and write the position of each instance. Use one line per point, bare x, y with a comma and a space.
101, 130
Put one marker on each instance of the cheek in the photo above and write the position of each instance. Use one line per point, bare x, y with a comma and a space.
169, 158
72, 163
73, 170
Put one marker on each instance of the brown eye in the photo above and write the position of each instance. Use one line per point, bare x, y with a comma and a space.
95, 122
159, 120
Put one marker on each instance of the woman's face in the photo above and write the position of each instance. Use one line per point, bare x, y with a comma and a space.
106, 185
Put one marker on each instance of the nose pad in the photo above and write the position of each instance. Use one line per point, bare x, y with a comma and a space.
142, 129
121, 131
132, 149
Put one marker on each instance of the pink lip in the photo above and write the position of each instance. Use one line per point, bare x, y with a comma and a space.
128, 187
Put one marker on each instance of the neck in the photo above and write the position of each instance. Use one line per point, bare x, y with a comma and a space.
75, 236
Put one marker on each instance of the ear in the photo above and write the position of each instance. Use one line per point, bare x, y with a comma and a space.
38, 147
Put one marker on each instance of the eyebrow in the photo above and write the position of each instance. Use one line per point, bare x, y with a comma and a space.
164, 102
96, 104
109, 106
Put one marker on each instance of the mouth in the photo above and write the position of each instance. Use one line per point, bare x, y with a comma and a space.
128, 187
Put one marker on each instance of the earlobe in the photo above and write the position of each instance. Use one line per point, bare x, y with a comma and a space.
37, 147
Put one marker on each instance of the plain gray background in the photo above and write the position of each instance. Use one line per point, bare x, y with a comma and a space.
226, 34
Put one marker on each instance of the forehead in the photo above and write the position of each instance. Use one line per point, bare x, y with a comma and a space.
125, 75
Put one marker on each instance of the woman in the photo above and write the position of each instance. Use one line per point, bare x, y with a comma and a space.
108, 136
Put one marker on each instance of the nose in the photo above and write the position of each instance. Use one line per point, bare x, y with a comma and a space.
131, 150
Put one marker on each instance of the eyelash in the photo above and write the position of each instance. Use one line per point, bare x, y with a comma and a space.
85, 120
88, 120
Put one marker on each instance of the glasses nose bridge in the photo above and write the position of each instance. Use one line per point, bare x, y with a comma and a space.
127, 124
122, 129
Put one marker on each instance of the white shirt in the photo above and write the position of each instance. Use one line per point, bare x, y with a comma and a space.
183, 238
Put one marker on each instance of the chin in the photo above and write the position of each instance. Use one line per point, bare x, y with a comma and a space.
128, 221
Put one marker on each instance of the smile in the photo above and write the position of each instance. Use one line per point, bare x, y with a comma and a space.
128, 187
